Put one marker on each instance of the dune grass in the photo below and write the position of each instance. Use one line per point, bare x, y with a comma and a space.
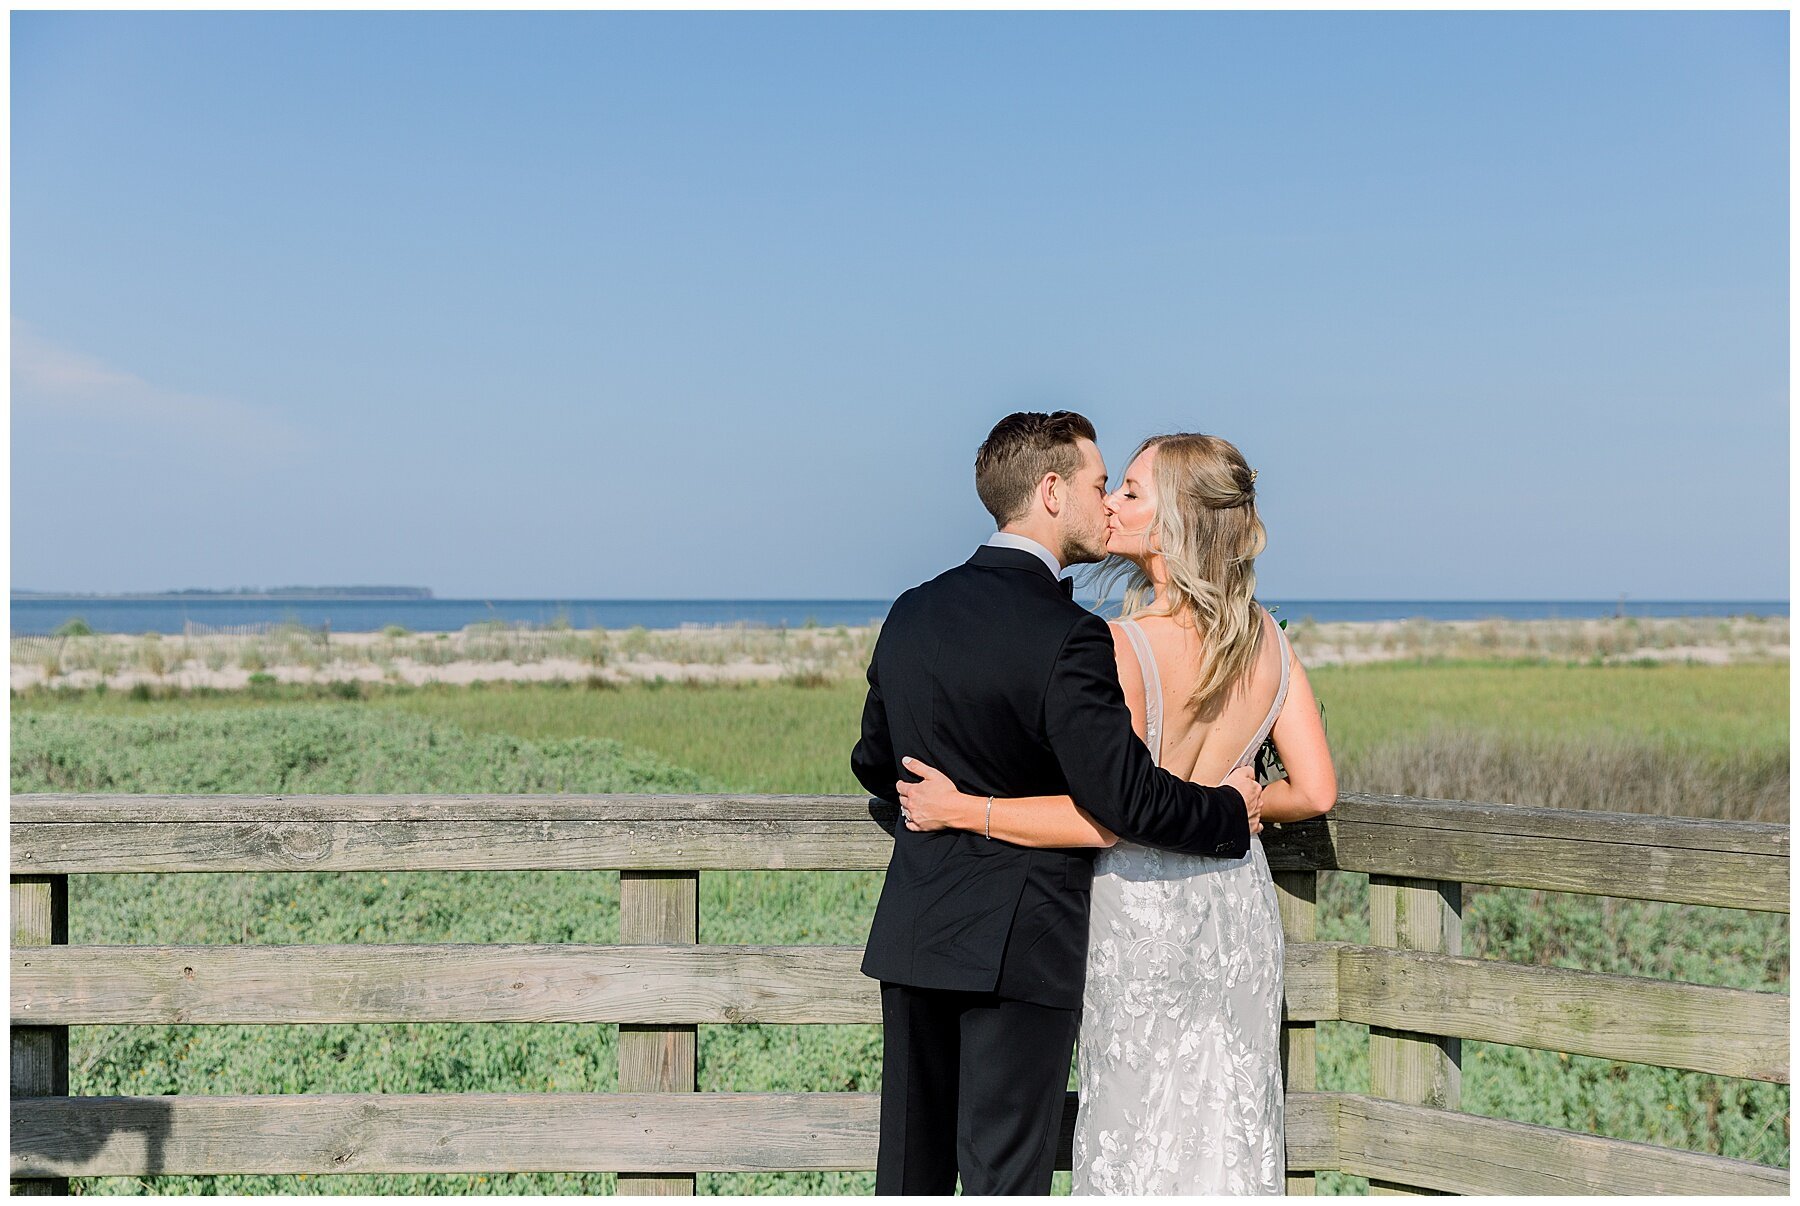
1612, 639
809, 653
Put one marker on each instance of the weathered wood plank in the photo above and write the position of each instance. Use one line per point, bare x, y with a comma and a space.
647, 985
166, 809
1699, 1028
658, 907
1637, 872
1311, 1131
1725, 1031
773, 1132
659, 985
483, 1132
450, 846
473, 1132
1630, 870
39, 907
1405, 1065
1420, 1068
1300, 845
1309, 977
1728, 864
40, 1054
1297, 896
1451, 1152
1567, 825
1563, 825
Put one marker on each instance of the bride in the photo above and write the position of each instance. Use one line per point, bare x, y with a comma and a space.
1180, 1064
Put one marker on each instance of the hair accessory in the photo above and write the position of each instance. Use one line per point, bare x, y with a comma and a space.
1253, 477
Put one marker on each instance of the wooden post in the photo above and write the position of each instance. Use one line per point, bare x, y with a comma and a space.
657, 907
40, 1054
1418, 1069
1297, 893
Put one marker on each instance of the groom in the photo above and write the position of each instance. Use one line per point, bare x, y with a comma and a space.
991, 673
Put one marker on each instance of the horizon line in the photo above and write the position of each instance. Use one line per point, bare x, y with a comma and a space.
138, 595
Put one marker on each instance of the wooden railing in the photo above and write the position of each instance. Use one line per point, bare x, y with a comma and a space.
1408, 984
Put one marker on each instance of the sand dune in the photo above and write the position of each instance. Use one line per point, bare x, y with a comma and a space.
744, 654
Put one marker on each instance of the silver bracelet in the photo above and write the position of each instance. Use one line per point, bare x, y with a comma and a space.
987, 827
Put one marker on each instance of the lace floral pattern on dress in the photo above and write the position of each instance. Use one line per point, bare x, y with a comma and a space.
1180, 1052
1180, 1055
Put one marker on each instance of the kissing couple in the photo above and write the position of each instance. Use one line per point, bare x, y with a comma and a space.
1078, 853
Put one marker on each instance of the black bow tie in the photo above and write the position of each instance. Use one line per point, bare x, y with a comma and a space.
1068, 587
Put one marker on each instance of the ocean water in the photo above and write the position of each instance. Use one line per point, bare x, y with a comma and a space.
36, 617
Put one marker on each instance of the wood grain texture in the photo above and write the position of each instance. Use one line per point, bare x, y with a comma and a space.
503, 845
1417, 1067
40, 1054
1297, 896
668, 984
1566, 825
665, 1133
774, 1132
1449, 1152
1411, 1066
163, 809
1300, 845
1404, 812
1723, 863
672, 984
1727, 1031
1727, 864
1698, 1028
658, 907
1632, 871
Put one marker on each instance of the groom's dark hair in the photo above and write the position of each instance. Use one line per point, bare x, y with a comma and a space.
1021, 449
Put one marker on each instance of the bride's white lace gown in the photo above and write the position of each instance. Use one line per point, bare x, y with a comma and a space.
1180, 1051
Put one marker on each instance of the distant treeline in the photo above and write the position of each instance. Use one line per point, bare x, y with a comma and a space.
249, 592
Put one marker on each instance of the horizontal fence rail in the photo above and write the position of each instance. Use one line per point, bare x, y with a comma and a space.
1411, 986
773, 1132
1453, 1152
1738, 865
1728, 1031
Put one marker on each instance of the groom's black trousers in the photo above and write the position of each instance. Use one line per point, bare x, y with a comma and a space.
971, 1081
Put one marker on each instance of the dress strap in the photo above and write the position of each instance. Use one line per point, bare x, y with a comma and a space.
1140, 645
1262, 734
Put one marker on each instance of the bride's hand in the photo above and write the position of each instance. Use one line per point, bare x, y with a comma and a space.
1244, 780
933, 802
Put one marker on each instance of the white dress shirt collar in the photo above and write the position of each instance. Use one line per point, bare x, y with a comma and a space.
1025, 544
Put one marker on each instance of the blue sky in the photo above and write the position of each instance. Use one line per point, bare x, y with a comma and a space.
720, 305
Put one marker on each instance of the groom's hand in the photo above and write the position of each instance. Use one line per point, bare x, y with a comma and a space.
1244, 779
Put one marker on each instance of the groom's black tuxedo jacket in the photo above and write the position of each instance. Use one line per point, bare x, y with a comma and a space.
992, 674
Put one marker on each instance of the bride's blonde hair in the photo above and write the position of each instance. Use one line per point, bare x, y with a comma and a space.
1208, 534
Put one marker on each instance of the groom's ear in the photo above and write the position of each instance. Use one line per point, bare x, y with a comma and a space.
1050, 492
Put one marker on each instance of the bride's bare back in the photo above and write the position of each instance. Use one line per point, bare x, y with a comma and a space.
1198, 748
